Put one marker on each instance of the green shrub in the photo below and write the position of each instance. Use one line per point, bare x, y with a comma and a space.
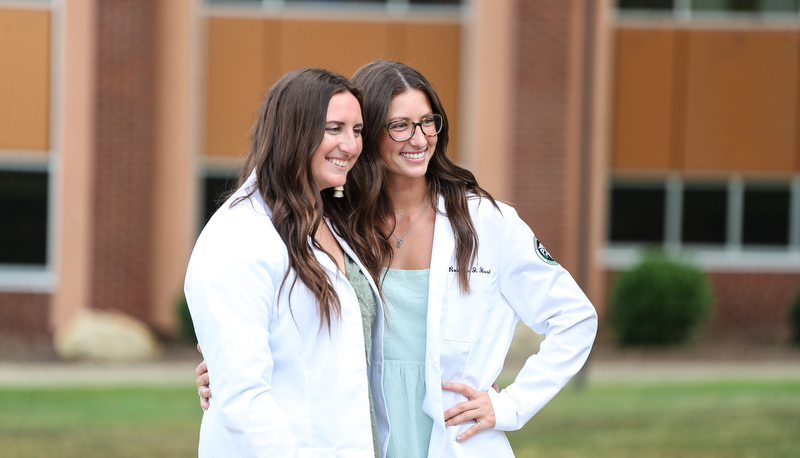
185, 325
794, 318
659, 302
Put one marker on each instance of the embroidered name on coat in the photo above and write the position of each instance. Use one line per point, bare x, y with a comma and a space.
474, 270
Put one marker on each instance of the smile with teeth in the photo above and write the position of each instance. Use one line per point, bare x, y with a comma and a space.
413, 155
337, 162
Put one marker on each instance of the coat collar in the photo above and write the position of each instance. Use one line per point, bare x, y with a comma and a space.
443, 248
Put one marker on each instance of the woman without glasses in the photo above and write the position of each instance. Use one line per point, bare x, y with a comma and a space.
280, 326
460, 271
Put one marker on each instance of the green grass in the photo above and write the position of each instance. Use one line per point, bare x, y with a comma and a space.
710, 419
109, 422
713, 419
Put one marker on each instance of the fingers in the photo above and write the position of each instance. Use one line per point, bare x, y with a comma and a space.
496, 387
205, 394
202, 368
203, 382
460, 388
478, 405
471, 431
477, 408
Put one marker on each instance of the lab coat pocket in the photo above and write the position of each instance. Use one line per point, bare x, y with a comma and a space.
465, 317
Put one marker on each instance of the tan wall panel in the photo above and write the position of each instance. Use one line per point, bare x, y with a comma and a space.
235, 83
741, 100
246, 56
342, 47
433, 49
644, 98
24, 79
271, 54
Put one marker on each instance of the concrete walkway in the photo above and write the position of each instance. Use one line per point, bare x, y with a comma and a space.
181, 373
161, 373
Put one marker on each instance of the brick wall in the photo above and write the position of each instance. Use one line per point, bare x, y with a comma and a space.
546, 131
750, 306
124, 143
754, 306
24, 314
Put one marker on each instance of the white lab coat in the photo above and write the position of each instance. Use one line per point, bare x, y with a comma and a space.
282, 386
468, 337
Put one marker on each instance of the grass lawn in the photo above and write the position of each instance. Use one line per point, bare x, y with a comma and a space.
92, 422
710, 419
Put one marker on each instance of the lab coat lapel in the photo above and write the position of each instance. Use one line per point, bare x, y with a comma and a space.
443, 247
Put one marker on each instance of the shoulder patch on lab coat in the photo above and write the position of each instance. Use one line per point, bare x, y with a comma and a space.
544, 255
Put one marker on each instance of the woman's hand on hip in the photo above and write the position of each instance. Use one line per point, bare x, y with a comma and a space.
203, 389
478, 408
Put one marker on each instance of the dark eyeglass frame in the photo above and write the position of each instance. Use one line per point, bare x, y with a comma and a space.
435, 116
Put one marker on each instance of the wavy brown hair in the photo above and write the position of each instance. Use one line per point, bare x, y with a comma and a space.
289, 128
380, 82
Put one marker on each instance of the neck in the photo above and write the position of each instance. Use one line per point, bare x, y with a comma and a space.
407, 194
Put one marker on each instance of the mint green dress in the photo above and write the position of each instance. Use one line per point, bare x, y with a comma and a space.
406, 296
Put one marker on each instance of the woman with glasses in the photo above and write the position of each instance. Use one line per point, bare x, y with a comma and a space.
460, 271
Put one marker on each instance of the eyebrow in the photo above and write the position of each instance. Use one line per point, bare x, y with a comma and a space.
402, 118
342, 123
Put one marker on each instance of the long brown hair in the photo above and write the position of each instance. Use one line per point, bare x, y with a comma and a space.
289, 128
380, 82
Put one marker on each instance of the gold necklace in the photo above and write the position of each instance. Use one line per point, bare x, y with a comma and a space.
400, 239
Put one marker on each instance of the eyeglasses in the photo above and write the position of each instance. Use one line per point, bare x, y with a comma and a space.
403, 129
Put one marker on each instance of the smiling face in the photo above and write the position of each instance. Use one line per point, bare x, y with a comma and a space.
341, 143
408, 159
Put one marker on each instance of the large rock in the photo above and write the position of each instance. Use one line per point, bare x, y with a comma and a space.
107, 336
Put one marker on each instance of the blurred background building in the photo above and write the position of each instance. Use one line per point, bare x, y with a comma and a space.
613, 127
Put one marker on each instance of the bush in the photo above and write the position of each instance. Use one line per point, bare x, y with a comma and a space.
185, 325
659, 302
794, 318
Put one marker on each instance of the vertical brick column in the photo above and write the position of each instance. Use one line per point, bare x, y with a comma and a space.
124, 142
546, 134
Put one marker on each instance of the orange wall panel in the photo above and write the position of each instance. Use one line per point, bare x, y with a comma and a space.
644, 98
235, 84
24, 79
247, 55
433, 49
741, 106
339, 46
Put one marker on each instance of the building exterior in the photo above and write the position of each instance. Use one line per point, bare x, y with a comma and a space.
611, 127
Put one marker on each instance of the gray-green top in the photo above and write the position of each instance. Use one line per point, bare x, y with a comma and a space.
369, 311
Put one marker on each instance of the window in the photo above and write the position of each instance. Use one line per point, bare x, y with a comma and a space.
646, 4
24, 214
216, 186
729, 224
637, 213
705, 213
685, 8
745, 5
766, 215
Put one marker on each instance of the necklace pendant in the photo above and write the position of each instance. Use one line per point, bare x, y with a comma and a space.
399, 243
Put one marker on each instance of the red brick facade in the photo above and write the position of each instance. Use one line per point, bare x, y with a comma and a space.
548, 134
24, 316
124, 144
750, 306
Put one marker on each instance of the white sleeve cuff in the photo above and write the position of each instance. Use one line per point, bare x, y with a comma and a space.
505, 412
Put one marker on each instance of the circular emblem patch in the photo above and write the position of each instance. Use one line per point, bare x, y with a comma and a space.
544, 255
